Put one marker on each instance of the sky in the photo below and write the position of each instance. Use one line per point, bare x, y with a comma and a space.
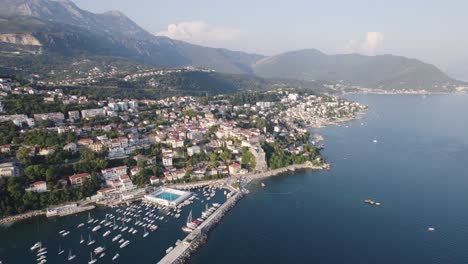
433, 31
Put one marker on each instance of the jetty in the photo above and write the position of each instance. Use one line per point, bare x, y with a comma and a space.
182, 252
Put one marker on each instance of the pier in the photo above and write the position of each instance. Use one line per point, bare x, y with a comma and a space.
197, 237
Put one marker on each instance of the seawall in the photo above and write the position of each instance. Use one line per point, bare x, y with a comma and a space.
182, 252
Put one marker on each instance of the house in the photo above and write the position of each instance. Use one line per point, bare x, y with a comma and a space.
46, 151
9, 169
85, 142
96, 147
74, 115
114, 173
167, 160
135, 171
37, 187
71, 147
234, 168
106, 190
5, 149
193, 150
154, 180
79, 179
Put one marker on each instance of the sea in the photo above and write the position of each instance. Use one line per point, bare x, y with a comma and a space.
408, 152
417, 169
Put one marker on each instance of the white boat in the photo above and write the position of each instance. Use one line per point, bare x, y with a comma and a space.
169, 249
42, 249
96, 228
115, 257
124, 244
145, 233
36, 246
121, 241
117, 237
61, 232
60, 251
106, 233
70, 255
99, 250
90, 242
187, 229
375, 141
81, 239
80, 225
430, 229
91, 261
41, 253
66, 233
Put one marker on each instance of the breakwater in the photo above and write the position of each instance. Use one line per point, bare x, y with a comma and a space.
182, 252
7, 221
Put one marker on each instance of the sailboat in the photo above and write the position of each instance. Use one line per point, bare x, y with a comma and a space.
60, 251
189, 226
91, 261
145, 234
70, 255
90, 220
81, 239
90, 242
114, 226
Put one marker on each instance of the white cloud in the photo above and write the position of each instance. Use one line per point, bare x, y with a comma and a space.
199, 32
370, 45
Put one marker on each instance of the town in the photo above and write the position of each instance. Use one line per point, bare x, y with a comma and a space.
58, 148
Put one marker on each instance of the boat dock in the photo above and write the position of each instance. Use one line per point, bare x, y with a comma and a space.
192, 241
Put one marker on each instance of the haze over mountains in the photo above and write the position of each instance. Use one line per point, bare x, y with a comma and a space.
34, 33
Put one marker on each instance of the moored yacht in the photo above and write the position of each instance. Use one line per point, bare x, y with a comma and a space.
36, 246
70, 255
117, 237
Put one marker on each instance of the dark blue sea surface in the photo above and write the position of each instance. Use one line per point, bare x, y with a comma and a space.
418, 170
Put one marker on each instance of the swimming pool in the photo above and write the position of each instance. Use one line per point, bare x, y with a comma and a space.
168, 196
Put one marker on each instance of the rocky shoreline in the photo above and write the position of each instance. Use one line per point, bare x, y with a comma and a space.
10, 220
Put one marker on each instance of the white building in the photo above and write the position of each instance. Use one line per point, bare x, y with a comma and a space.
9, 169
193, 150
167, 161
114, 173
37, 187
91, 113
168, 197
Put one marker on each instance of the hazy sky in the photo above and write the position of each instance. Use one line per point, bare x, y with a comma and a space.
430, 30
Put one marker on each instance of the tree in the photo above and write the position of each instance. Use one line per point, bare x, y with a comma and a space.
51, 174
23, 155
248, 159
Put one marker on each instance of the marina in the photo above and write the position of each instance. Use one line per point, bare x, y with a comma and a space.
109, 234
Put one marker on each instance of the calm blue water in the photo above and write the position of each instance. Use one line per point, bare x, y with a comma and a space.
168, 196
418, 170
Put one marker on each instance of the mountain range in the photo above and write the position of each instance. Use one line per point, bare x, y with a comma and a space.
43, 35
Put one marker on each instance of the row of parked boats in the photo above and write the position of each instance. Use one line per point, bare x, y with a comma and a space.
194, 223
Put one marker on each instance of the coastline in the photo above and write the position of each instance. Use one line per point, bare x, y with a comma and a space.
10, 220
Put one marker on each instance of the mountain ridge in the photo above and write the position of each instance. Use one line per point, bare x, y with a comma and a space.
65, 31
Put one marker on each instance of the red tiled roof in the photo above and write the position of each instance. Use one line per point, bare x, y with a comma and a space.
81, 175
